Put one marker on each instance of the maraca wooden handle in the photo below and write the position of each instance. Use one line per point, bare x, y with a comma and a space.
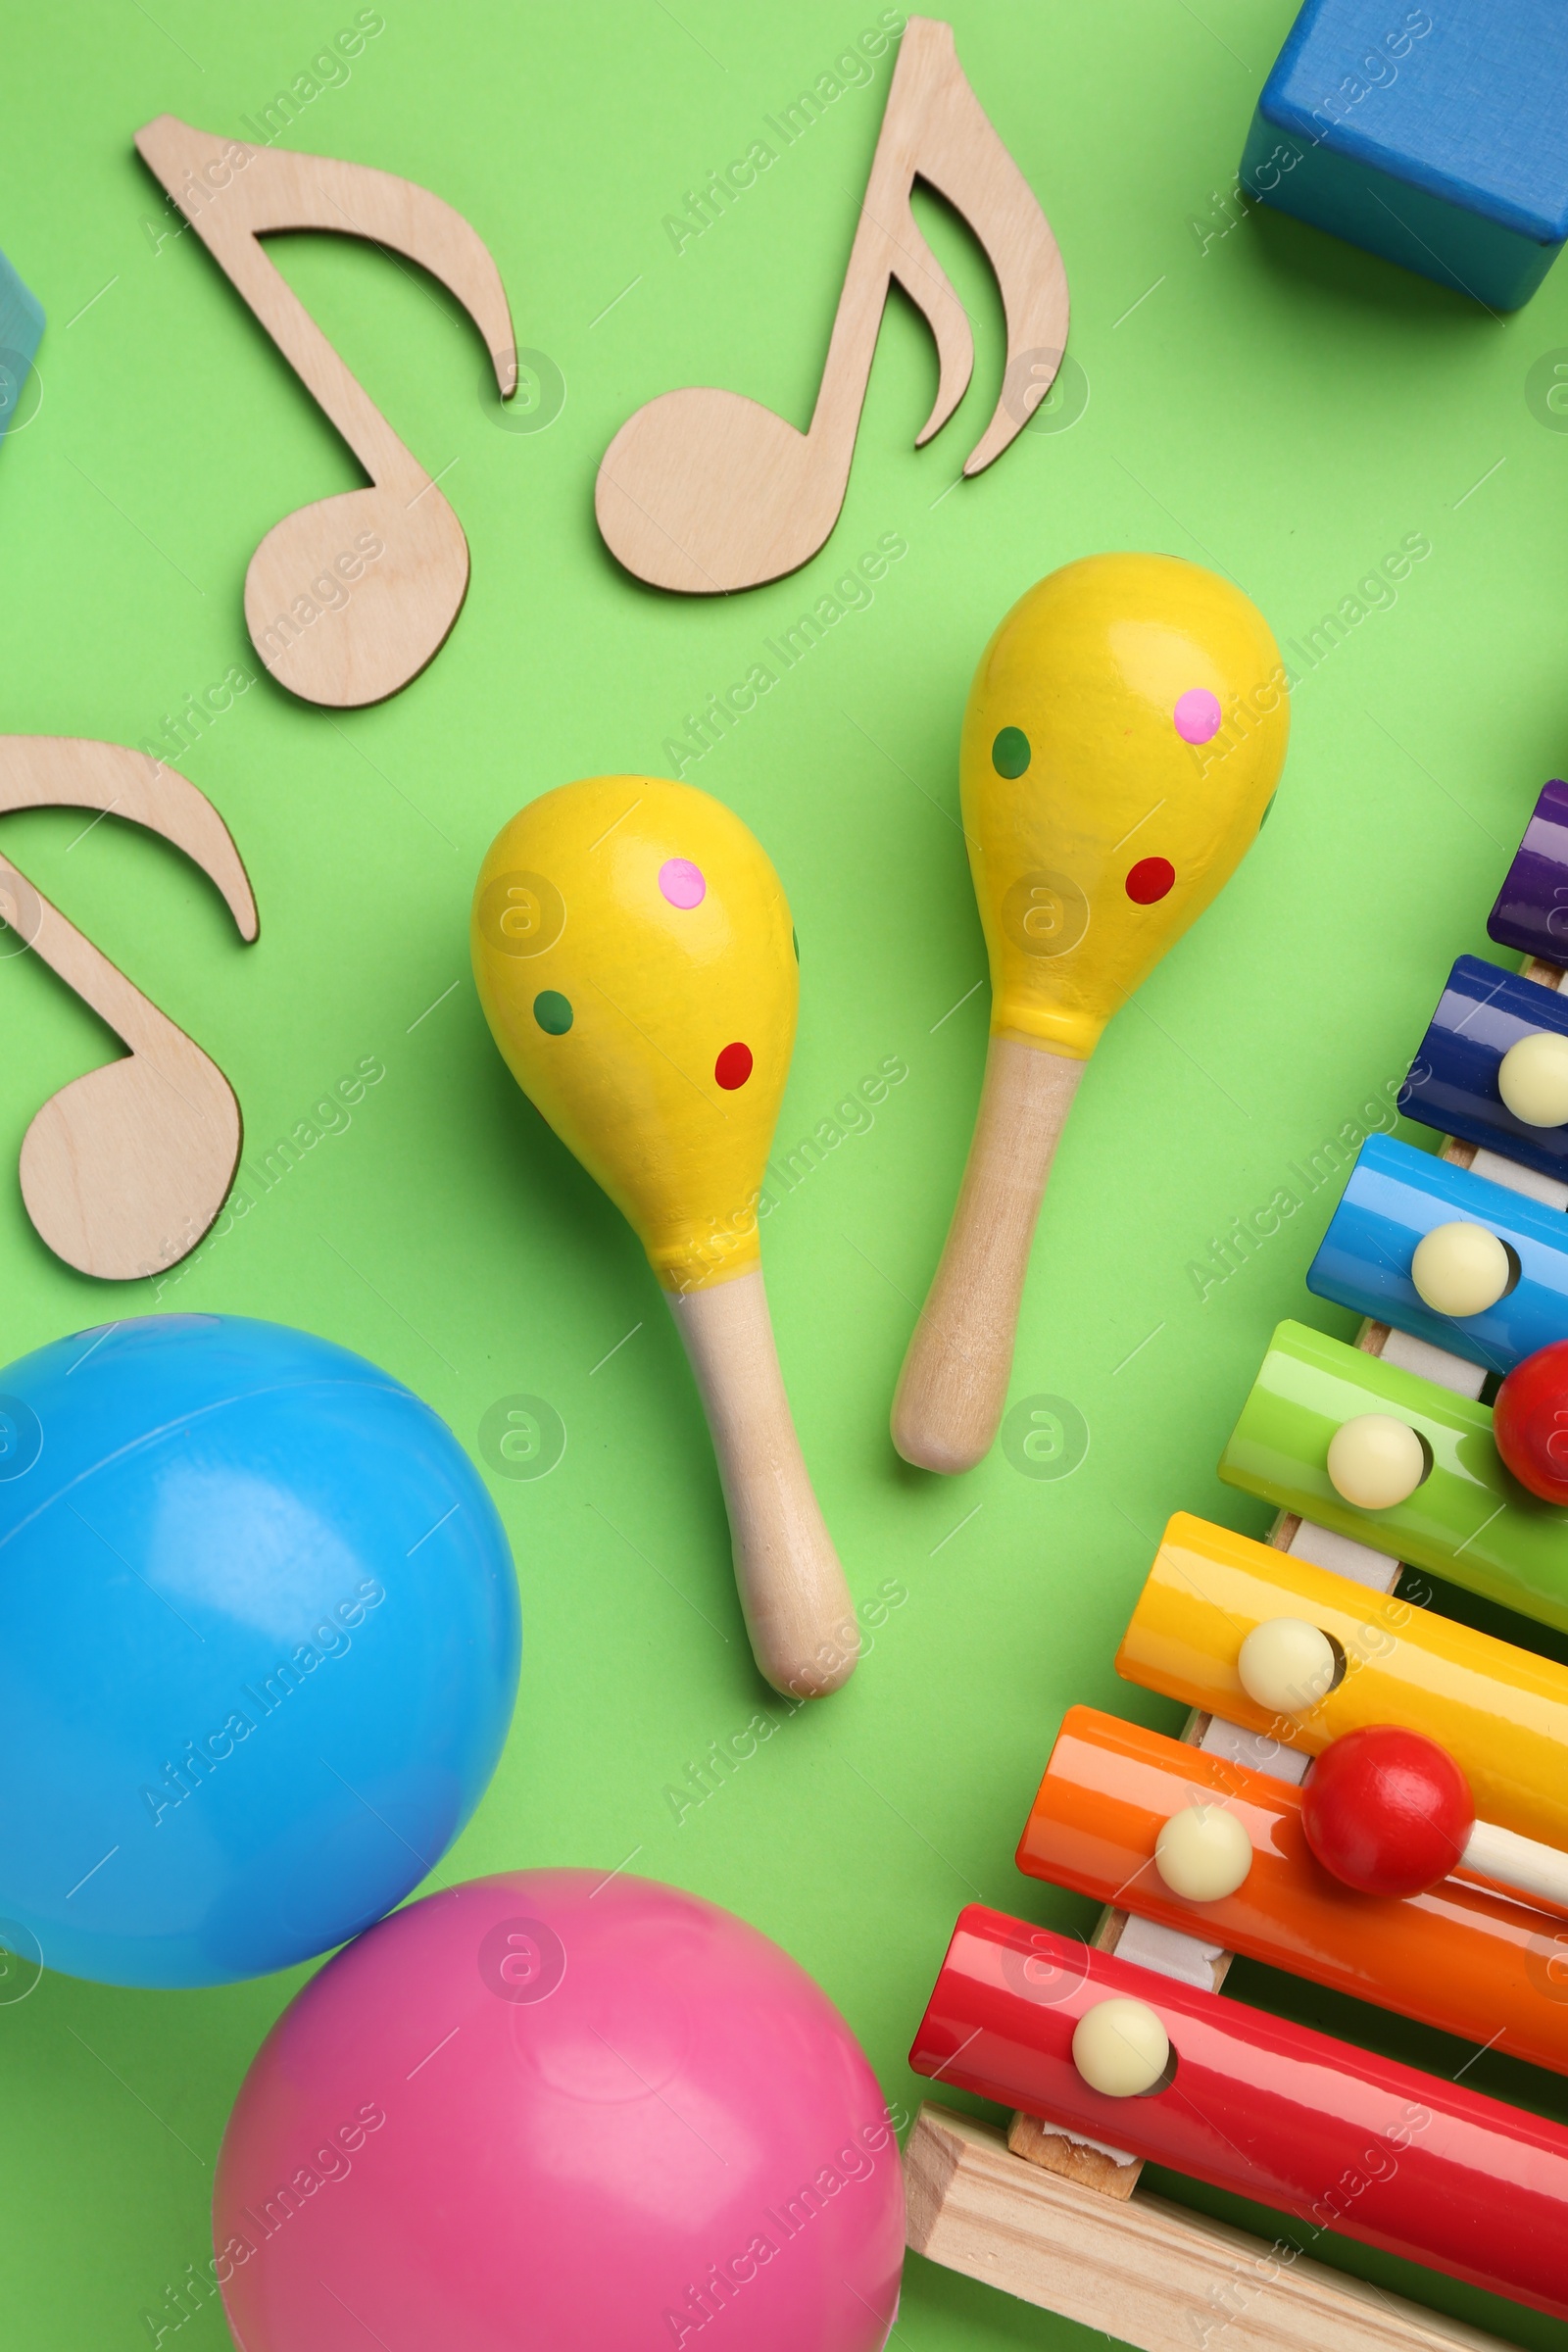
797, 1605
954, 1379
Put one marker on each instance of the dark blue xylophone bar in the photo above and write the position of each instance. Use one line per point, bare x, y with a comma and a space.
1452, 1084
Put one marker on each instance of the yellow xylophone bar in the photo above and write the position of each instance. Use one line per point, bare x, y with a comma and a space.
1500, 1712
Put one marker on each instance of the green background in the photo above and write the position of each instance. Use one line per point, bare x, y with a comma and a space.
1266, 400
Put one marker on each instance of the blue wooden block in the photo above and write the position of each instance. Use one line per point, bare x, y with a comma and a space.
20, 330
1438, 138
1452, 1084
1395, 1196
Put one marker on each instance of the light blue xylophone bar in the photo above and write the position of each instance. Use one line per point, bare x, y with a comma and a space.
1396, 1195
20, 331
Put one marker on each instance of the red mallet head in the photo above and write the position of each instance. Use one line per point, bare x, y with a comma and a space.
1529, 1422
1387, 1811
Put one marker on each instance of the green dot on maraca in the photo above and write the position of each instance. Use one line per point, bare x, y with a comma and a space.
553, 1012
1010, 754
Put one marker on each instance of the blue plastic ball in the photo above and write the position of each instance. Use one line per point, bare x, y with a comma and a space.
258, 1647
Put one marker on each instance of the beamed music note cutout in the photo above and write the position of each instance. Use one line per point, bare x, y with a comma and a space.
124, 1169
705, 491
393, 558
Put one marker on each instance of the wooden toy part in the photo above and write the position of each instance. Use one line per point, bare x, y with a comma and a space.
704, 491
1480, 1965
1107, 796
1149, 2272
954, 1384
1500, 1712
124, 1169
1260, 2107
1459, 173
794, 1597
350, 597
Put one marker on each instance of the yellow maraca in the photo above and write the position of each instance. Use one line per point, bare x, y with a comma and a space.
634, 957
1123, 737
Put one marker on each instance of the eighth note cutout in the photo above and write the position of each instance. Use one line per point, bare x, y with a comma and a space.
124, 1169
402, 601
705, 491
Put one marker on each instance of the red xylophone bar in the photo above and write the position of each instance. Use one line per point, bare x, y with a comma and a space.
1262, 2108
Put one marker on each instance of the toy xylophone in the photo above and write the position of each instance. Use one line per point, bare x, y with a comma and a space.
1367, 1793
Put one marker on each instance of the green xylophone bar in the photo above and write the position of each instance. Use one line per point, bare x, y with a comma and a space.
1469, 1519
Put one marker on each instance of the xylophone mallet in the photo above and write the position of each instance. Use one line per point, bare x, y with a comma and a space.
1388, 1812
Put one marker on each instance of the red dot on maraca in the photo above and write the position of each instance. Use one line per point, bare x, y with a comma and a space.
733, 1067
1529, 1422
1149, 880
1387, 1811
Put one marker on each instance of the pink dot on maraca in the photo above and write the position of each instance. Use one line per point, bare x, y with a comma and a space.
548, 2109
1196, 715
682, 883
1387, 1811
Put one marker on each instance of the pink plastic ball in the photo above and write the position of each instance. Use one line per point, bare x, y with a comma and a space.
546, 2109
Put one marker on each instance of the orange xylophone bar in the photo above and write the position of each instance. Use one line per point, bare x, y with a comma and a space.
1461, 1958
1262, 2108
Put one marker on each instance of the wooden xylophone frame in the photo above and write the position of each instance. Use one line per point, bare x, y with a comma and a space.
1052, 2218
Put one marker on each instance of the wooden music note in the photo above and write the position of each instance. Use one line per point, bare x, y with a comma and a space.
124, 1169
393, 558
705, 491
